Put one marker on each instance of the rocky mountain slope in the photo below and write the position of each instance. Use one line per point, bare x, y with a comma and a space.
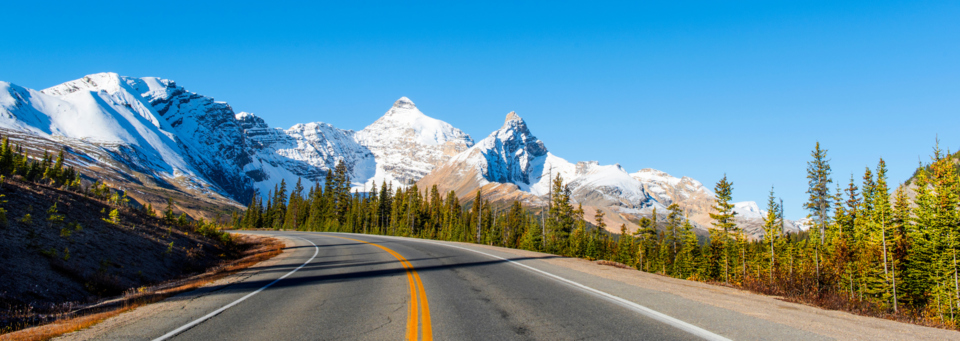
151, 132
152, 135
408, 144
511, 163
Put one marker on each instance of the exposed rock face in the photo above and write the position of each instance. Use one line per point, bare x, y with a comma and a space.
690, 195
207, 138
305, 152
608, 186
509, 153
408, 144
156, 128
153, 132
512, 164
511, 160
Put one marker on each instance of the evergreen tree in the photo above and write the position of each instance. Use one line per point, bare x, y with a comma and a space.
624, 246
771, 229
820, 200
724, 223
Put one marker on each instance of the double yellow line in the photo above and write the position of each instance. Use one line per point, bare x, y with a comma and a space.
417, 295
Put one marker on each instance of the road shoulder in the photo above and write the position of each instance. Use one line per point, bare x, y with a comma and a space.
177, 305
827, 323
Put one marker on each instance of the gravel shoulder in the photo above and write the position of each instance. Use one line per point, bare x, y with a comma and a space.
827, 323
732, 312
174, 311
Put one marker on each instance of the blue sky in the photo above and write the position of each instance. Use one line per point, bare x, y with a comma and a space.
695, 88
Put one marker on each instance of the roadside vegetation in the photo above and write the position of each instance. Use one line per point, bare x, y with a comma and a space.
870, 250
72, 249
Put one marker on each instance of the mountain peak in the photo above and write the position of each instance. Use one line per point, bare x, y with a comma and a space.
512, 116
108, 81
404, 103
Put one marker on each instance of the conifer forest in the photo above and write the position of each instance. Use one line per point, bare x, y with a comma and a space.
873, 247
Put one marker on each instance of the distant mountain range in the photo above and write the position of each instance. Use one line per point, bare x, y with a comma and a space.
150, 133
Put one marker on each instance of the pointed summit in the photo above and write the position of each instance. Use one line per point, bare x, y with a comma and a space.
404, 103
512, 116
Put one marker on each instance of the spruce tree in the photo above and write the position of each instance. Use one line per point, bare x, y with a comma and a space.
724, 223
624, 246
771, 229
820, 200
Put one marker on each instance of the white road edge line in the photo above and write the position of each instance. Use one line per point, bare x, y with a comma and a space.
218, 311
656, 315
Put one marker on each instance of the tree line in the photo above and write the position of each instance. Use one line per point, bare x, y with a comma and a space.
870, 248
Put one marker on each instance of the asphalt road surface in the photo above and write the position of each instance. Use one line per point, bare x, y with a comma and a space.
360, 287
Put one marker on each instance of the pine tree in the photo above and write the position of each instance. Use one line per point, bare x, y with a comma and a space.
724, 224
531, 239
819, 202
292, 214
624, 246
561, 220
594, 247
882, 215
168, 212
477, 216
644, 234
771, 230
672, 233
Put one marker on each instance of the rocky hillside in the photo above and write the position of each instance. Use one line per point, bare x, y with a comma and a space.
58, 246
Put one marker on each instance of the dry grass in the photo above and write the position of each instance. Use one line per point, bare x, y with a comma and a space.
258, 249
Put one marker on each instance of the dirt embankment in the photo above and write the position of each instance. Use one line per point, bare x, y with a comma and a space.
60, 250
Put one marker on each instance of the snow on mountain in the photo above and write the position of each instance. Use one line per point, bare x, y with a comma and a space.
113, 117
203, 133
609, 185
751, 219
305, 152
154, 126
157, 127
511, 155
408, 144
668, 188
749, 210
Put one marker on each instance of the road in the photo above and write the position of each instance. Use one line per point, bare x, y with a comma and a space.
331, 286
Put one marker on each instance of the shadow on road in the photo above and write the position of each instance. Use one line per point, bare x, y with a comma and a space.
336, 271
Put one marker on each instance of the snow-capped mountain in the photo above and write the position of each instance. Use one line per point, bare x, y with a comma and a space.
305, 152
749, 210
609, 186
152, 129
206, 136
751, 219
105, 112
408, 144
152, 133
510, 161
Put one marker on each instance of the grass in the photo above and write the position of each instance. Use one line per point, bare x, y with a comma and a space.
260, 249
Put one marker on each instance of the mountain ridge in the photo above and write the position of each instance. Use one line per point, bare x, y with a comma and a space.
153, 128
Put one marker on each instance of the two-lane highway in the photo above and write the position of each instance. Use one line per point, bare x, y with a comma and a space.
363, 287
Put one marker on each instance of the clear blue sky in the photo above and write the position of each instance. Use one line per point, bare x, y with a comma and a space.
692, 88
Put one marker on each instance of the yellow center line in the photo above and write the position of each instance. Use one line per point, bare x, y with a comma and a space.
417, 294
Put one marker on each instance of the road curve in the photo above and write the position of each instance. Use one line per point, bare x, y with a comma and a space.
361, 287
